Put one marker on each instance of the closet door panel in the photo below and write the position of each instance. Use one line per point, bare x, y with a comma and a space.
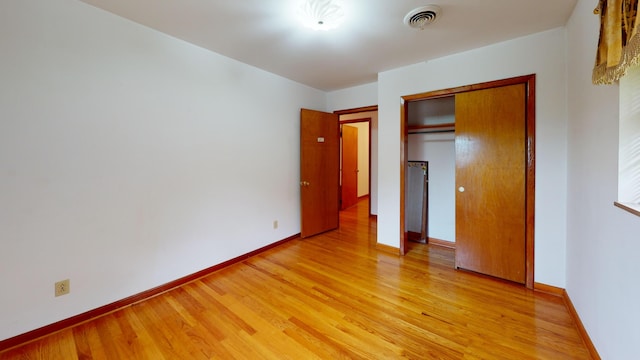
490, 181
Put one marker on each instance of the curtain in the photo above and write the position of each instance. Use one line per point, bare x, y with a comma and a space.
619, 44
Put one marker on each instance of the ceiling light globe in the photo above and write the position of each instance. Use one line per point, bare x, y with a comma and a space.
321, 14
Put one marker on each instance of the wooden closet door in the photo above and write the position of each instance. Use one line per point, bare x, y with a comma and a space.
490, 179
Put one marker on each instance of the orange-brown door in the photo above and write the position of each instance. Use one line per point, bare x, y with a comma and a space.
349, 166
319, 171
490, 179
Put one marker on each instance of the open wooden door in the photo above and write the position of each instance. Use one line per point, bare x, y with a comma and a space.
349, 166
319, 171
491, 160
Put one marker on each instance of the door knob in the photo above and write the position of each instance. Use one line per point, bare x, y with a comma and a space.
304, 183
461, 189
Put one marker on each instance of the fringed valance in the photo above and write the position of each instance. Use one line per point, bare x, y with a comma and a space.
619, 44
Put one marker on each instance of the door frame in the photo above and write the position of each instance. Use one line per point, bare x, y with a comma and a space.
530, 107
368, 119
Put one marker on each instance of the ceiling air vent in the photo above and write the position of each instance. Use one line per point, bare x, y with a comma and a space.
420, 17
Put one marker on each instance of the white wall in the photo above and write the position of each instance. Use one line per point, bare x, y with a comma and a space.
353, 97
603, 242
357, 97
542, 54
129, 159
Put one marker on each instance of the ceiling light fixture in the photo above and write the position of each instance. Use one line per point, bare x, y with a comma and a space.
321, 14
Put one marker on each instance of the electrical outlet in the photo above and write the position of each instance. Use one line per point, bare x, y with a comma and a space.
62, 288
275, 224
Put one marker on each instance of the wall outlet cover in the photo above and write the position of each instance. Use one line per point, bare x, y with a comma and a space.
62, 287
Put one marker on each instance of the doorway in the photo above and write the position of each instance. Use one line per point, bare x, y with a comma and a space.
355, 154
527, 106
365, 119
320, 165
431, 140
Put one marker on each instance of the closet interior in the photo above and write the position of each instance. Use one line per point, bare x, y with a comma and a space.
430, 169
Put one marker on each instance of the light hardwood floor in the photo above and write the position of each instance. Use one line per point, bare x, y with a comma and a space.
333, 296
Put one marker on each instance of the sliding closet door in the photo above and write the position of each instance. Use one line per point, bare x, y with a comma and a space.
490, 181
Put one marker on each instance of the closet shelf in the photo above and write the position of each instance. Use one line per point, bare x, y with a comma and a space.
436, 128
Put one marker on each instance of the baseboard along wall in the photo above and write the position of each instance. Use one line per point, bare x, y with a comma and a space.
106, 309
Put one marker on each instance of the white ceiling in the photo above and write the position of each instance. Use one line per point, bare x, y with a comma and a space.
373, 38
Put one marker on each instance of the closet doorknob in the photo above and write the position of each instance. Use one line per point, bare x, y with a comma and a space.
461, 189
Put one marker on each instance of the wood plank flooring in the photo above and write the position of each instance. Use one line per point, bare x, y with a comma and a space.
333, 296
